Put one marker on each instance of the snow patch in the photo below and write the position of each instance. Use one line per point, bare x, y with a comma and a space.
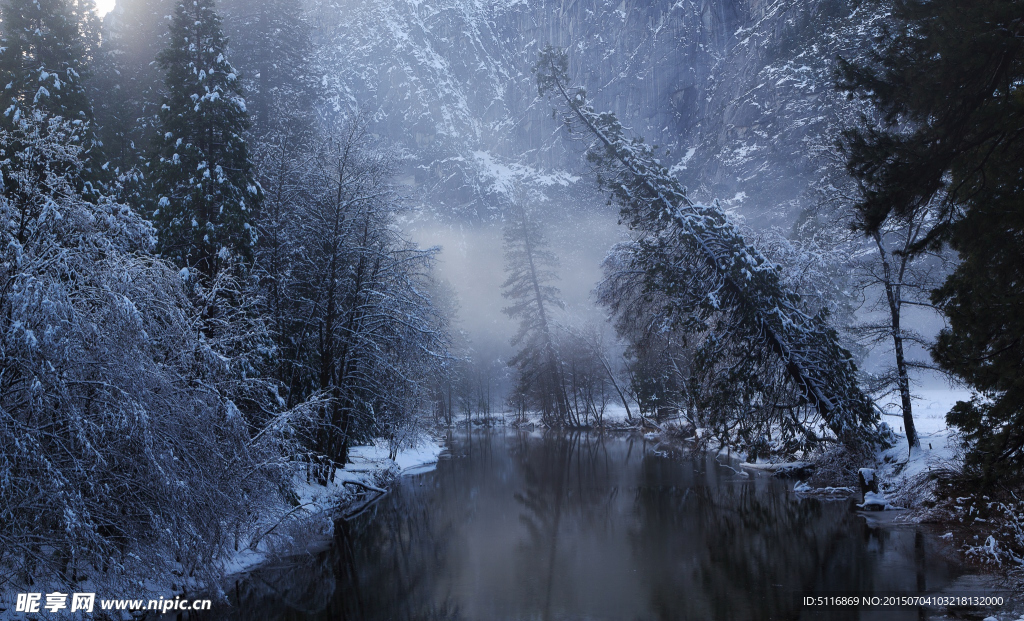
875, 501
506, 177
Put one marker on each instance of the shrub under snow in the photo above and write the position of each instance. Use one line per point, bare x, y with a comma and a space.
115, 439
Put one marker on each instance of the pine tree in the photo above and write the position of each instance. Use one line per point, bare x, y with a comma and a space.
272, 48
714, 283
204, 187
947, 84
530, 266
43, 61
47, 49
127, 82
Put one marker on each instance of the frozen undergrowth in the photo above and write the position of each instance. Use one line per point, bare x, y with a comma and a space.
304, 524
310, 521
989, 531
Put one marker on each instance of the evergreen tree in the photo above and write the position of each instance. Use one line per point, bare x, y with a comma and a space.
120, 431
713, 285
530, 266
43, 60
47, 49
127, 82
204, 187
947, 83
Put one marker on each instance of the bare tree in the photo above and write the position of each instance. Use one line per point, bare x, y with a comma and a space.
889, 269
351, 296
905, 276
120, 437
589, 381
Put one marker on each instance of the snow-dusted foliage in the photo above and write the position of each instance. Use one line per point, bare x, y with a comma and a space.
737, 91
42, 59
450, 81
347, 294
709, 280
115, 439
204, 190
587, 373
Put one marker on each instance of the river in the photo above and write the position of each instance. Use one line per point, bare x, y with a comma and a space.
514, 525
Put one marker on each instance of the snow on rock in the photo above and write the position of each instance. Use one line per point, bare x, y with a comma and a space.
803, 488
874, 501
868, 475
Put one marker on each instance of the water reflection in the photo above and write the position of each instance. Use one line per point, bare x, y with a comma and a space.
517, 526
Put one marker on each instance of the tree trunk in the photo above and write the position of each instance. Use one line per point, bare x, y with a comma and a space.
892, 294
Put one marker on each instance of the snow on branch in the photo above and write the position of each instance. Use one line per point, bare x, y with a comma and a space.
707, 274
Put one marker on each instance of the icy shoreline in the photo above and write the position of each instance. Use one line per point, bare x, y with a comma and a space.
368, 465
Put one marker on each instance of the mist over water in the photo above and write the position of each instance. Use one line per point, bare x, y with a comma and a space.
260, 257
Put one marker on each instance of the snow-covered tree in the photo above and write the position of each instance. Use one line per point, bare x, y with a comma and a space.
946, 81
712, 283
901, 280
271, 45
127, 84
43, 60
121, 452
588, 378
348, 295
204, 190
887, 281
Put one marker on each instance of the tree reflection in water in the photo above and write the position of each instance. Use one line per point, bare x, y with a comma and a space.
581, 526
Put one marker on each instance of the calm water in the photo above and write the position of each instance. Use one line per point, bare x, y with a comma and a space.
514, 526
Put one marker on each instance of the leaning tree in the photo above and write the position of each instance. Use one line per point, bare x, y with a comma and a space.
713, 285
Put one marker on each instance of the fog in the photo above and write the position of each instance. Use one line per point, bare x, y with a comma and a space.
739, 109
262, 259
472, 262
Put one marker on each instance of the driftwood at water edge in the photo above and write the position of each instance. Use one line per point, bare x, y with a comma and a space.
359, 509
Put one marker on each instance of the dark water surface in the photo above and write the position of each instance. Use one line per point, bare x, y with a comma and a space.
519, 526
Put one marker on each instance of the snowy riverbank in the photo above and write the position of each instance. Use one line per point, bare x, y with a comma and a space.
905, 477
304, 524
986, 531
370, 470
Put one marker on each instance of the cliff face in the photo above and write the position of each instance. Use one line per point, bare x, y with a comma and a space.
766, 136
451, 81
738, 92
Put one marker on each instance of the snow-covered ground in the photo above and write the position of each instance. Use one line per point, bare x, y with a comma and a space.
939, 447
614, 415
422, 458
367, 464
